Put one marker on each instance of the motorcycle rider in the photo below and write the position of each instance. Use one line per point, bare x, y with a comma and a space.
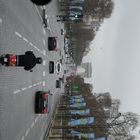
28, 60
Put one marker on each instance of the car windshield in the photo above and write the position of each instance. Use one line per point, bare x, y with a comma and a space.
58, 67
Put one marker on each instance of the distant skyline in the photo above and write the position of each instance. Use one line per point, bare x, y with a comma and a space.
115, 55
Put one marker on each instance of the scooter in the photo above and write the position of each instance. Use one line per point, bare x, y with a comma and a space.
9, 60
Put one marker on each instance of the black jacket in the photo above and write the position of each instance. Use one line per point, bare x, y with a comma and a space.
28, 61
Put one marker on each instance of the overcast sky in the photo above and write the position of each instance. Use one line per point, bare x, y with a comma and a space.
115, 54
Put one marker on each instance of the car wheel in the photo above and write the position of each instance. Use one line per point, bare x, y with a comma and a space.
41, 2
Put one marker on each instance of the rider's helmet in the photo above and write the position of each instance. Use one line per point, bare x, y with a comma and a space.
39, 60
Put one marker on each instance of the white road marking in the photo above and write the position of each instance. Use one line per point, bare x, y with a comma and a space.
34, 85
25, 39
44, 31
44, 73
27, 132
0, 21
44, 63
16, 91
43, 83
22, 138
36, 120
34, 46
41, 137
30, 43
32, 125
18, 34
30, 86
44, 52
44, 42
38, 13
24, 88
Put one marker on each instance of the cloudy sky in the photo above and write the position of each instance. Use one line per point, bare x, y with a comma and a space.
115, 54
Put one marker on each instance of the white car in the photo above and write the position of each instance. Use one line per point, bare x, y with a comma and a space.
58, 67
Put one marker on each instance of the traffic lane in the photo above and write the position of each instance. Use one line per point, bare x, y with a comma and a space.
24, 39
23, 21
12, 77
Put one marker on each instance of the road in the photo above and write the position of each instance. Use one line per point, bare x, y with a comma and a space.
21, 30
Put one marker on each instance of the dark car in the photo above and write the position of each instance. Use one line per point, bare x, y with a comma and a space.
52, 43
41, 2
51, 67
43, 101
58, 84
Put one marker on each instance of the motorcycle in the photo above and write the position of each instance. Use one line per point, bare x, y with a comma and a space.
9, 60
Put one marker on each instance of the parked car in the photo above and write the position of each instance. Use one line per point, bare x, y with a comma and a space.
52, 43
58, 84
51, 67
43, 102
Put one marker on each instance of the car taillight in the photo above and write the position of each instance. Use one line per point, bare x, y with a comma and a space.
45, 110
45, 96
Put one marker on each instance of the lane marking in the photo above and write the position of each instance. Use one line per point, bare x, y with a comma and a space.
25, 39
44, 31
0, 21
32, 125
43, 83
27, 132
41, 137
16, 91
44, 63
34, 46
38, 12
44, 73
44, 52
30, 86
24, 88
22, 138
30, 43
44, 42
36, 120
18, 34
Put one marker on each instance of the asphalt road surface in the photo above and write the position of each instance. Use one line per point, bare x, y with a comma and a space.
21, 30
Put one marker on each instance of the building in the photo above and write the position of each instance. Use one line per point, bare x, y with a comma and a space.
85, 70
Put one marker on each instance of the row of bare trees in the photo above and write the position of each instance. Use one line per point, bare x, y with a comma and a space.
118, 127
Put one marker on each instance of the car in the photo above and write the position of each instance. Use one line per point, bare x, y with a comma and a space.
43, 102
52, 44
58, 67
51, 67
41, 2
62, 79
58, 84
